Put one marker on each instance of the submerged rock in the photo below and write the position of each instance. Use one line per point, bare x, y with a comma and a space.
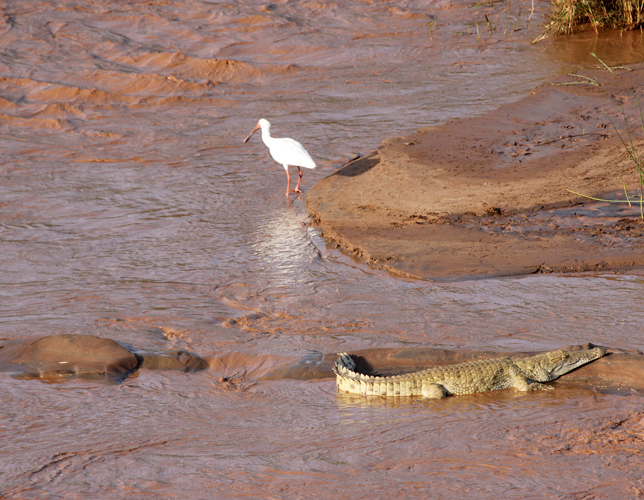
69, 356
174, 360
61, 357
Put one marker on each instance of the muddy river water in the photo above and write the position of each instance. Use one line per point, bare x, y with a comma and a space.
130, 209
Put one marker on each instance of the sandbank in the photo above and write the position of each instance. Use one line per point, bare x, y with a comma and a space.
488, 195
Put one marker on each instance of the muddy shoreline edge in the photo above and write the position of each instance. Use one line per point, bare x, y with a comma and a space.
488, 196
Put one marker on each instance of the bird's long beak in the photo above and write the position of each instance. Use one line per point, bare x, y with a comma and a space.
249, 135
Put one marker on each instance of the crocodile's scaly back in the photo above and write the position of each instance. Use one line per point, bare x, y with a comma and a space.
466, 378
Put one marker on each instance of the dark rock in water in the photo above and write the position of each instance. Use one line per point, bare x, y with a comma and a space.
69, 356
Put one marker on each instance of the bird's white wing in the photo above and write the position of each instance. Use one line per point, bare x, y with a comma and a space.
290, 152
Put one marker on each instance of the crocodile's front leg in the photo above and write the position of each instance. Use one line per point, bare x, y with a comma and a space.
534, 386
522, 383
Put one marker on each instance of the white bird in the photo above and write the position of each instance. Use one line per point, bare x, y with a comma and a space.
285, 151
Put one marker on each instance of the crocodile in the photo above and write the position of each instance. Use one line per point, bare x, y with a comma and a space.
526, 374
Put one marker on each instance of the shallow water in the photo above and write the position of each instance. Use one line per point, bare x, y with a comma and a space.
130, 209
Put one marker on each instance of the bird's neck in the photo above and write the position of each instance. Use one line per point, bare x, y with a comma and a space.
266, 135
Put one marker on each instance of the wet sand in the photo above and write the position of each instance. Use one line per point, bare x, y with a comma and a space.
488, 196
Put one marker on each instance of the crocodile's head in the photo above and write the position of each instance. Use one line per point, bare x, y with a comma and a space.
557, 363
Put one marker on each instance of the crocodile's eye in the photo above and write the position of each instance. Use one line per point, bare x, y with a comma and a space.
559, 356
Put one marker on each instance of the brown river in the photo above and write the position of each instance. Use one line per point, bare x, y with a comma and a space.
131, 210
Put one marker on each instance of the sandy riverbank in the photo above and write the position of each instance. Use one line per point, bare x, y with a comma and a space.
486, 196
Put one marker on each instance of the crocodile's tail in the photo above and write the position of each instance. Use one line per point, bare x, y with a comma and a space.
350, 381
343, 364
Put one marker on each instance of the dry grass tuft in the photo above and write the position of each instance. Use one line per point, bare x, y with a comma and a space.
611, 14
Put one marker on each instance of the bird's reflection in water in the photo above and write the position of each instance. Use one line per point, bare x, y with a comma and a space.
283, 243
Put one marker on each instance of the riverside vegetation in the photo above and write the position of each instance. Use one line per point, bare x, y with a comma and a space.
611, 14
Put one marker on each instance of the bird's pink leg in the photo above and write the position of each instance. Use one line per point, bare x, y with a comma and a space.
288, 181
297, 188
